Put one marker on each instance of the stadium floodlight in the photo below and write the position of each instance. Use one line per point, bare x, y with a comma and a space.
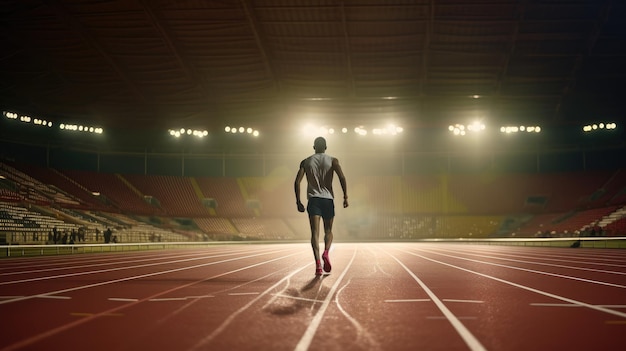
597, 126
517, 129
177, 133
28, 119
234, 130
460, 129
9, 115
344, 130
476, 126
75, 127
360, 130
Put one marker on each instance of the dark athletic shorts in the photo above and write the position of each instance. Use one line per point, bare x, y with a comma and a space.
318, 206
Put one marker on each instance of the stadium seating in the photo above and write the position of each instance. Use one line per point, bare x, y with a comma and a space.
384, 207
176, 195
20, 225
215, 225
227, 193
617, 228
114, 190
263, 229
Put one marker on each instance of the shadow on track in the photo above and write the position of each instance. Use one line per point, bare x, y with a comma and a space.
291, 300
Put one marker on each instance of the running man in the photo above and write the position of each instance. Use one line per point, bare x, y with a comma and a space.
319, 169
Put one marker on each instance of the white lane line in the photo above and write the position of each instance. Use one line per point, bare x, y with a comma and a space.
122, 299
308, 335
539, 263
408, 300
185, 298
200, 344
54, 297
68, 326
120, 268
470, 340
199, 296
125, 299
138, 277
243, 293
101, 263
554, 258
377, 265
194, 299
537, 291
317, 294
11, 297
529, 270
362, 333
444, 318
572, 305
464, 301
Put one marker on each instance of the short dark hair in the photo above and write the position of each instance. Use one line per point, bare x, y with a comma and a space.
319, 144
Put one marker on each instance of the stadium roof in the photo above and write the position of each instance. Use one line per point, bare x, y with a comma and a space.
138, 63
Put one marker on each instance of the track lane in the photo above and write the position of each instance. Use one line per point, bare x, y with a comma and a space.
271, 300
382, 306
83, 298
580, 284
512, 294
24, 276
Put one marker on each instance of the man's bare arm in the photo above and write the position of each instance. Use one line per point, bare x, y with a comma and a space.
342, 181
296, 188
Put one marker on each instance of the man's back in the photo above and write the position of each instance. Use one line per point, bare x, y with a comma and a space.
319, 174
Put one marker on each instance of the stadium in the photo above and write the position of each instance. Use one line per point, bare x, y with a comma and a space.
148, 151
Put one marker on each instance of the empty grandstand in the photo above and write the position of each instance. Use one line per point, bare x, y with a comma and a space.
400, 207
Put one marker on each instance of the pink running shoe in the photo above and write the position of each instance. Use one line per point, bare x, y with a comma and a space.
327, 266
318, 270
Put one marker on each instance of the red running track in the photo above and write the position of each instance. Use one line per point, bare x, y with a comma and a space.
379, 296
